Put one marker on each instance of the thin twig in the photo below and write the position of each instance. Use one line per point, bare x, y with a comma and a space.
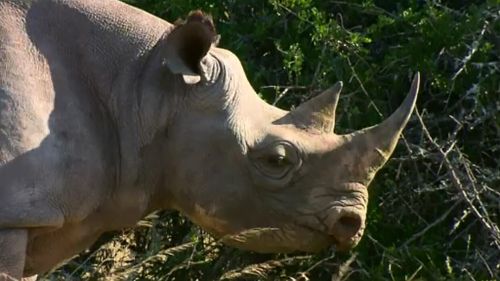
458, 184
344, 268
434, 223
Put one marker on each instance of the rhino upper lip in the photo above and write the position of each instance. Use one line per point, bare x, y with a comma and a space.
317, 232
340, 245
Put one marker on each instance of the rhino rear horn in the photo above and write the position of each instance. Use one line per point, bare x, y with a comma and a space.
188, 44
374, 145
319, 112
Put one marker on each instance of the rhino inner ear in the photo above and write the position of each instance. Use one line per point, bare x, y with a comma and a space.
188, 44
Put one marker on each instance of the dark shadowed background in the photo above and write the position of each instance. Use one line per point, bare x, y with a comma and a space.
434, 209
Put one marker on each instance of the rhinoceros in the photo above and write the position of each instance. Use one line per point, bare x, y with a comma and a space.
108, 113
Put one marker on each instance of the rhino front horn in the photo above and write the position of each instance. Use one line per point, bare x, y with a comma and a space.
374, 145
319, 112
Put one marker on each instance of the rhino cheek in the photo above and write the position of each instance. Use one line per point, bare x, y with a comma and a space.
212, 224
216, 205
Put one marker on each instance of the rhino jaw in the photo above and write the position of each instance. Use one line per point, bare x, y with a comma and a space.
279, 240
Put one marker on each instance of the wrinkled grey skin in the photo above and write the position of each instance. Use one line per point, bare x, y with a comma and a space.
102, 121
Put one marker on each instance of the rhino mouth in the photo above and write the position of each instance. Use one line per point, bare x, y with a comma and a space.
337, 244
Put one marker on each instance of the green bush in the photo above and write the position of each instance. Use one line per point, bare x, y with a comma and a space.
434, 208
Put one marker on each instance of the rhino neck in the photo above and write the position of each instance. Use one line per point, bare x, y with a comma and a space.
105, 47
144, 122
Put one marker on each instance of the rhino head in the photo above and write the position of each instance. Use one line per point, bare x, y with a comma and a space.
282, 180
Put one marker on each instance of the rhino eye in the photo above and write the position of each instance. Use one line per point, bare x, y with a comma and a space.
277, 160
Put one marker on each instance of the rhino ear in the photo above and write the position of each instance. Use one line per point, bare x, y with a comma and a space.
187, 46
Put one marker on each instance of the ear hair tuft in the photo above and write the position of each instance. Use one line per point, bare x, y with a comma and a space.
200, 17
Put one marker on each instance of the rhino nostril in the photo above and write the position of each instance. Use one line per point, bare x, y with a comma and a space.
347, 227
